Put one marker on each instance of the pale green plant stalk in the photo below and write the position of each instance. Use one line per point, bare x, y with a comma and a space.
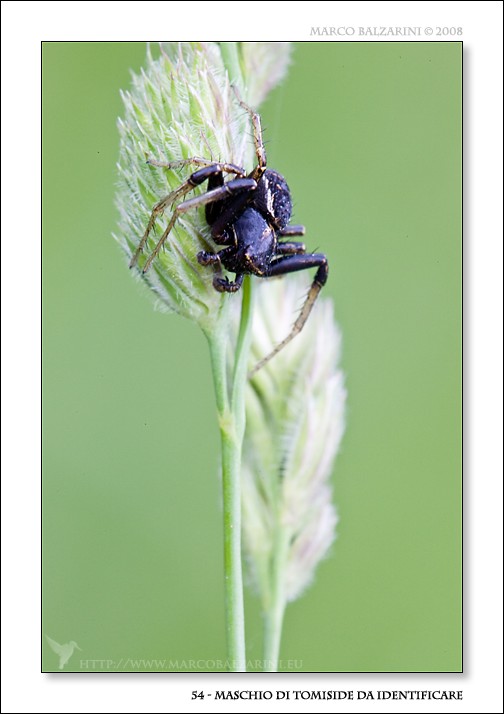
181, 106
231, 411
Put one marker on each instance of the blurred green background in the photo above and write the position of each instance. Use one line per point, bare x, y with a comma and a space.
369, 138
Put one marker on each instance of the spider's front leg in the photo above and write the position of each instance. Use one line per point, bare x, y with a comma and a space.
291, 264
217, 194
230, 188
195, 179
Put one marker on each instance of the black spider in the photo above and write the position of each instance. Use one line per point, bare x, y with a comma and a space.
248, 214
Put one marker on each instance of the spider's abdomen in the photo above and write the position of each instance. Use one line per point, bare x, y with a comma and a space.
255, 244
272, 199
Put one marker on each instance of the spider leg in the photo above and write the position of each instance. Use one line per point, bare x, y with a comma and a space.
224, 285
205, 258
290, 248
195, 179
228, 189
227, 168
258, 139
291, 264
292, 231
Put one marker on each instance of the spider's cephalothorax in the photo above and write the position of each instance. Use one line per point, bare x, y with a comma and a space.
249, 215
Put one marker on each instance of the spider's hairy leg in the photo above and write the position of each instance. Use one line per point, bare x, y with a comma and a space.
195, 179
198, 161
292, 264
258, 137
228, 189
156, 211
